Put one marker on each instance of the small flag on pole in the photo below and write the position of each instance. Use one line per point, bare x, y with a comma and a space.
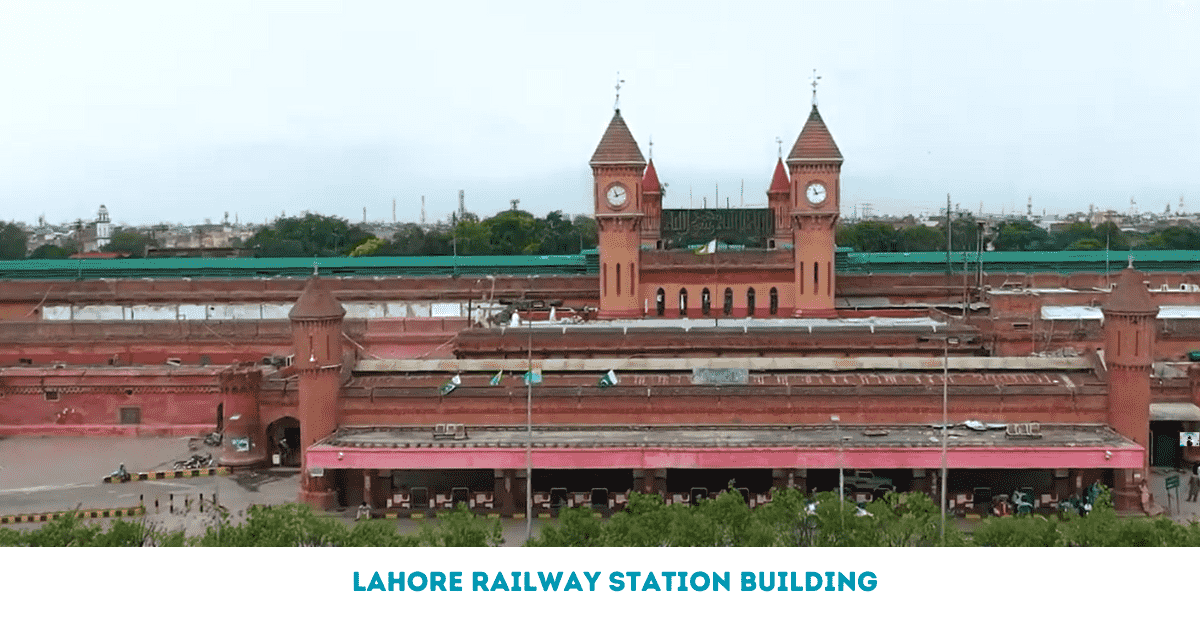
450, 385
707, 249
497, 377
533, 377
609, 379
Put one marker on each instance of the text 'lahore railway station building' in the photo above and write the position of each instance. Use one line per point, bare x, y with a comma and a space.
702, 346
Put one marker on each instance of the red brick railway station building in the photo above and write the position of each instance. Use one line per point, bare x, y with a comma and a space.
729, 365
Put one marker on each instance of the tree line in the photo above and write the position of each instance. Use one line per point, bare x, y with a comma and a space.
510, 232
1011, 235
791, 519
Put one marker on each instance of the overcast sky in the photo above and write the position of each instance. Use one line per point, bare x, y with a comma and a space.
168, 111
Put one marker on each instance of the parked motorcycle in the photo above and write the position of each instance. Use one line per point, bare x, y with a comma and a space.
197, 461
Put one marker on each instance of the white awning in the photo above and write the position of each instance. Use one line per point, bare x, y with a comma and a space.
1090, 313
1174, 412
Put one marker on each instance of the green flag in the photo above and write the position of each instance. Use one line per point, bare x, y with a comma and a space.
533, 377
450, 385
609, 379
497, 377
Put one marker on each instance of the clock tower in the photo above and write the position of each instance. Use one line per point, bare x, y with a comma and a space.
617, 171
815, 165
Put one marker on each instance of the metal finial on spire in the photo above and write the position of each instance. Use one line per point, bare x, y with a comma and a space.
1130, 261
779, 142
315, 273
814, 85
617, 102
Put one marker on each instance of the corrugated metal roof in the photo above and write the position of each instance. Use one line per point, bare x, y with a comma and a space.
601, 365
1088, 313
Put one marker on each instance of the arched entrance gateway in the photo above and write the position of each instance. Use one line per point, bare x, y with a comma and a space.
284, 436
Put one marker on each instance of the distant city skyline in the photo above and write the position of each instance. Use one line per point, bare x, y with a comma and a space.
169, 113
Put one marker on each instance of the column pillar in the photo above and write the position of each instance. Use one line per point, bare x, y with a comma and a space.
504, 486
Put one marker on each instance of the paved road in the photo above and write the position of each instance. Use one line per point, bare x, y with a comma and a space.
49, 474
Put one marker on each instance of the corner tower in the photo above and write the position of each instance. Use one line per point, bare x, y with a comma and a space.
617, 171
779, 200
1129, 330
815, 164
652, 196
317, 342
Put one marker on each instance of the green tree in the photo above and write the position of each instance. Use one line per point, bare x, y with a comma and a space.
1175, 238
586, 230
129, 241
460, 528
310, 235
51, 251
1021, 235
1112, 235
559, 236
869, 237
1065, 237
512, 232
471, 236
13, 240
921, 238
1086, 244
370, 247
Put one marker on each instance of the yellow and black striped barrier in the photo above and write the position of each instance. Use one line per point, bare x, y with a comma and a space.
102, 513
168, 475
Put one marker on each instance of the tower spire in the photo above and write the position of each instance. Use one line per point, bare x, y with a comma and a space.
617, 102
815, 78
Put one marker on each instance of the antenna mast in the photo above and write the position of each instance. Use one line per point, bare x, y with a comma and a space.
422, 209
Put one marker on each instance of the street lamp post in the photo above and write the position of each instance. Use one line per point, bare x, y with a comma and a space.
945, 417
841, 467
529, 433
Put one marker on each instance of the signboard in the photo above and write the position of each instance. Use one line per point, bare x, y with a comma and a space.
316, 472
240, 444
1189, 439
750, 226
720, 377
1172, 482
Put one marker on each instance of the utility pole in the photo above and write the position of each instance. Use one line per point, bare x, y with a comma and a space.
394, 211
948, 236
945, 419
422, 209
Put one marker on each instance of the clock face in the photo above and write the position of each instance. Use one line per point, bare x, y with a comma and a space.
816, 193
617, 196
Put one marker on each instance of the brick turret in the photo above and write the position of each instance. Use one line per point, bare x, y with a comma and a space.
779, 199
317, 342
1129, 329
651, 207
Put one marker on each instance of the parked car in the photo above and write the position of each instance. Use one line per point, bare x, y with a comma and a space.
867, 482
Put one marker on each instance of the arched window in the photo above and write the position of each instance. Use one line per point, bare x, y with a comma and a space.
802, 280
604, 278
683, 302
660, 302
816, 278
750, 302
618, 280
728, 309
705, 302
774, 301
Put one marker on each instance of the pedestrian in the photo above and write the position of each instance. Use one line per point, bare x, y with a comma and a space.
364, 511
1193, 488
